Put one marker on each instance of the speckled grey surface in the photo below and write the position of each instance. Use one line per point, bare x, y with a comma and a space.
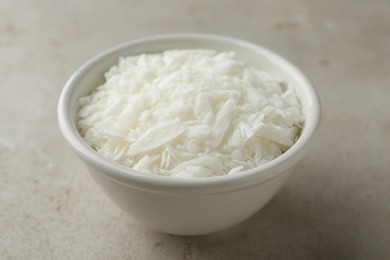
335, 206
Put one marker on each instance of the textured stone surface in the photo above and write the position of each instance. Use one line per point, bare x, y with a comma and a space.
335, 206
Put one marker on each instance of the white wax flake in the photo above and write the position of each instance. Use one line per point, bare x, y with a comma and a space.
156, 136
202, 104
199, 171
190, 113
198, 132
222, 122
206, 161
236, 170
277, 134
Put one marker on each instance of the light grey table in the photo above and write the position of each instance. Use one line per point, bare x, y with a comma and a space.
335, 206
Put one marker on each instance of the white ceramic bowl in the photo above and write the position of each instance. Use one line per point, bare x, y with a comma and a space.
187, 206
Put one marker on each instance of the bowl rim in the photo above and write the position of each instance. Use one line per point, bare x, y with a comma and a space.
128, 176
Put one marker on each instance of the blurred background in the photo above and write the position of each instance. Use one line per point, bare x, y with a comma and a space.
335, 206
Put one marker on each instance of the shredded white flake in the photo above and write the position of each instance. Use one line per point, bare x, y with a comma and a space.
190, 113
